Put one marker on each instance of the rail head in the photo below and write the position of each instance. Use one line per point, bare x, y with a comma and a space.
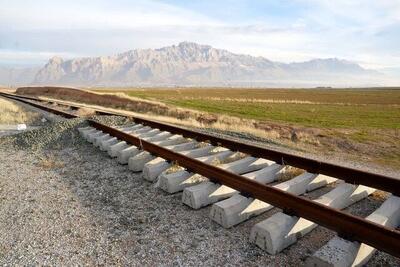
43, 107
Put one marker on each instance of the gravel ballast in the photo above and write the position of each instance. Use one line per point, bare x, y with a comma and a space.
63, 202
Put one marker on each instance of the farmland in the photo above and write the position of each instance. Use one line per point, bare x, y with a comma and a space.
338, 108
354, 124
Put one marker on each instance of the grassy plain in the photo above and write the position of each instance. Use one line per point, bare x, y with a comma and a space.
362, 123
359, 125
326, 108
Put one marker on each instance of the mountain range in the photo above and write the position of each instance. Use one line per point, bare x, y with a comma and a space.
192, 64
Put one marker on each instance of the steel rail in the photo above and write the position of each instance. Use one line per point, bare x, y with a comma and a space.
97, 111
347, 225
55, 111
350, 175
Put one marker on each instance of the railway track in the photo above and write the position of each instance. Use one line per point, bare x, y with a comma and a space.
235, 179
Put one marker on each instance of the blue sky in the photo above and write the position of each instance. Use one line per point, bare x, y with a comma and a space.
363, 31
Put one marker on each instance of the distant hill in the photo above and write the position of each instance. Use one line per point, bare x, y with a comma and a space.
191, 64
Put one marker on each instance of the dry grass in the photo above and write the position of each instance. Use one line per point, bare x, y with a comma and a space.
85, 112
215, 162
174, 168
304, 137
380, 195
197, 178
288, 173
11, 113
50, 163
7, 90
233, 124
202, 144
234, 157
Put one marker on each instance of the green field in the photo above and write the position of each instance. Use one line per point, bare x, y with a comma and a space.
321, 108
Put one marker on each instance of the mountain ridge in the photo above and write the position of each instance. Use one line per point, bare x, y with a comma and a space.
189, 64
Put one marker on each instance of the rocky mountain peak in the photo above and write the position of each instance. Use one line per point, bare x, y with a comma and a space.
193, 46
55, 60
190, 63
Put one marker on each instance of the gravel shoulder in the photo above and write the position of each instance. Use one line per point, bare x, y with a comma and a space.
63, 202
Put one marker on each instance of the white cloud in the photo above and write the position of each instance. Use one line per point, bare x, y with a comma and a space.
345, 29
364, 15
46, 15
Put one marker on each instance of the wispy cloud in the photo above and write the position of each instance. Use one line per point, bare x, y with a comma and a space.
364, 31
61, 15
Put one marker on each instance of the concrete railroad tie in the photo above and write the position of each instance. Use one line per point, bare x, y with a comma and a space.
158, 137
136, 131
281, 230
239, 208
339, 252
176, 181
105, 136
155, 167
108, 143
86, 130
124, 151
208, 192
105, 144
141, 133
115, 149
90, 137
137, 162
131, 151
